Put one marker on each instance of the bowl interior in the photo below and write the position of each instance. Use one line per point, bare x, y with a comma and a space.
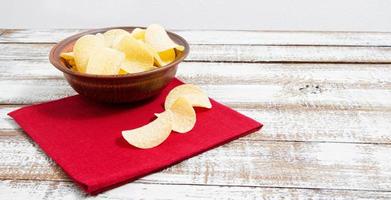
67, 44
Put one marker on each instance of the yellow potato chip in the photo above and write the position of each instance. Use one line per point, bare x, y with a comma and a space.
135, 51
105, 61
122, 72
183, 116
113, 36
167, 56
157, 60
69, 57
134, 67
150, 135
138, 33
158, 38
84, 48
192, 93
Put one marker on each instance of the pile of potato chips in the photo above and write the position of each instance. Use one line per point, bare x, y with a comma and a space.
120, 52
179, 116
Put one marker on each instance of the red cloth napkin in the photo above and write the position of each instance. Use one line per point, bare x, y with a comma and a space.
84, 137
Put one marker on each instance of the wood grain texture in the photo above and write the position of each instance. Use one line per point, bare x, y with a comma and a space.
326, 96
315, 125
238, 53
371, 76
6, 122
47, 190
21, 190
332, 86
224, 37
323, 97
245, 163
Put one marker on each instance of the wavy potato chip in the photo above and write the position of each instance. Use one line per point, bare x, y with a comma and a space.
105, 61
113, 36
133, 67
135, 51
158, 38
167, 56
179, 116
157, 60
69, 57
150, 135
192, 93
144, 49
84, 48
183, 116
138, 33
163, 58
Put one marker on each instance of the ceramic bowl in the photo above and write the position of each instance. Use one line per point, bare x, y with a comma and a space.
116, 88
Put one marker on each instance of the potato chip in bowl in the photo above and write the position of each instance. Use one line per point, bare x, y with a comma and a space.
119, 52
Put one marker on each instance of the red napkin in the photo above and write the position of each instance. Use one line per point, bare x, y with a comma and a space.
84, 137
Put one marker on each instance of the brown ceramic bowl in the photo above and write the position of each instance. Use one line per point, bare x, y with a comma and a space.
116, 88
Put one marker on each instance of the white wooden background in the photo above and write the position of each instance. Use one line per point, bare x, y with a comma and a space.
324, 97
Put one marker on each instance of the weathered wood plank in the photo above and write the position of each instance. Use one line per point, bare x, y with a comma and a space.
17, 91
21, 190
246, 163
370, 76
297, 102
321, 125
22, 69
238, 53
282, 81
223, 37
345, 75
293, 125
292, 94
36, 35
6, 122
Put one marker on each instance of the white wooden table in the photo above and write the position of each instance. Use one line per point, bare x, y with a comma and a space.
324, 97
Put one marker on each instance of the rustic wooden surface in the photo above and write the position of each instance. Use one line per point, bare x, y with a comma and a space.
324, 97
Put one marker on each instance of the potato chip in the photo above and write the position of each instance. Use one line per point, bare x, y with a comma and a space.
105, 61
163, 58
167, 56
100, 35
183, 116
157, 60
69, 57
192, 93
113, 36
158, 38
84, 48
138, 33
150, 135
135, 51
133, 67
122, 72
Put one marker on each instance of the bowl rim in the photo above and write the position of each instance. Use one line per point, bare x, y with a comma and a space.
60, 66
